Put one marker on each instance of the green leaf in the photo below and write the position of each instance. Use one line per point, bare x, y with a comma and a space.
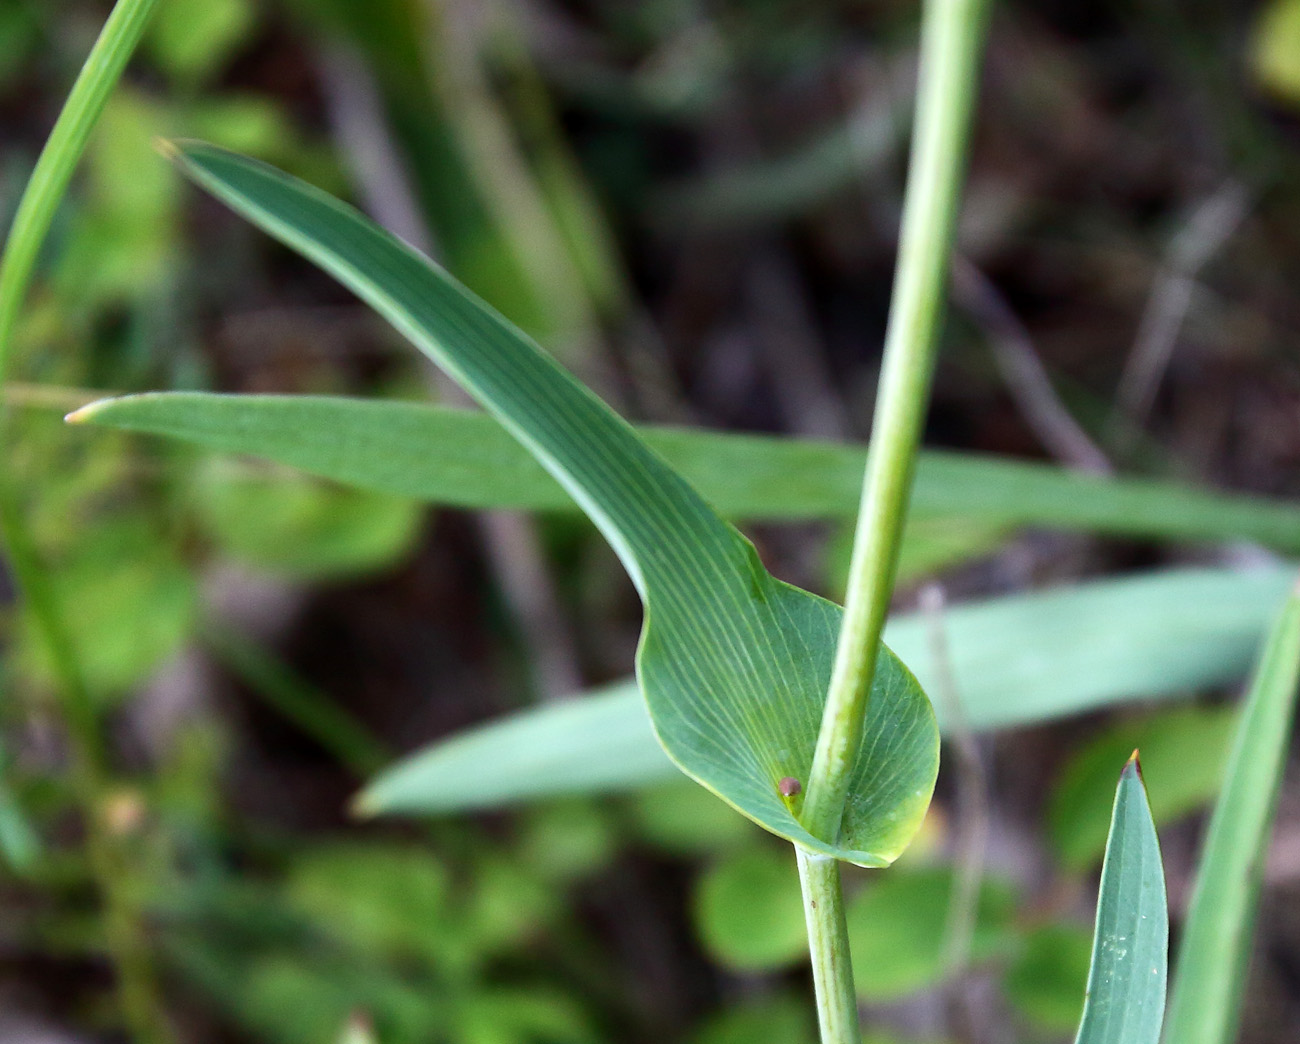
465, 459
295, 699
1126, 982
129, 606
510, 903
678, 817
1184, 752
20, 847
748, 911
380, 899
193, 39
1274, 51
1049, 976
1215, 949
296, 526
601, 742
568, 840
781, 1019
521, 1015
733, 663
897, 926
1017, 660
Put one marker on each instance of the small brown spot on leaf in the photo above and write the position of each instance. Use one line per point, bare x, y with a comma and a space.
789, 786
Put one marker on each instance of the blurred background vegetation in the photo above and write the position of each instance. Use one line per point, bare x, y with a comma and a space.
693, 203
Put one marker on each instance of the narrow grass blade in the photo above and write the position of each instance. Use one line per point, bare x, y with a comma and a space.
49, 182
1214, 955
601, 742
733, 663
128, 947
468, 460
1126, 982
1017, 660
296, 700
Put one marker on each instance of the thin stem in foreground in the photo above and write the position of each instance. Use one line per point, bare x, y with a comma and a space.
127, 945
951, 37
828, 945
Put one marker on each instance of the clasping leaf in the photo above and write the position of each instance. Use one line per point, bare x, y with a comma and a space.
733, 663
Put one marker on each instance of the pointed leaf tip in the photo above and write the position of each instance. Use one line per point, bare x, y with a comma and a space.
362, 806
82, 414
167, 149
1126, 980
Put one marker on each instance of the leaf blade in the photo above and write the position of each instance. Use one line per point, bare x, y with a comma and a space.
1126, 980
1215, 951
386, 446
1016, 661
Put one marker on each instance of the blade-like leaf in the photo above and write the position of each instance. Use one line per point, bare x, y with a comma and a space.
1016, 660
734, 664
466, 459
1126, 982
1215, 950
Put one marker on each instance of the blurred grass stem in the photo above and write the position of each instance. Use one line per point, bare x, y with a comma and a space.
952, 33
972, 826
125, 938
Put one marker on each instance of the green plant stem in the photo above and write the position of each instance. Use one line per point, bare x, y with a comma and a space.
828, 945
103, 68
127, 945
337, 731
951, 36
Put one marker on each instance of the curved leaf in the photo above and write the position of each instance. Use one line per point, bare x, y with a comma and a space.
733, 663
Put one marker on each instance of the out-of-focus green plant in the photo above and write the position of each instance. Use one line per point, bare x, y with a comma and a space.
108, 595
362, 948
137, 987
1215, 955
732, 702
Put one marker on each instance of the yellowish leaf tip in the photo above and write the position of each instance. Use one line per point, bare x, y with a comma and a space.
1135, 763
362, 806
80, 416
168, 150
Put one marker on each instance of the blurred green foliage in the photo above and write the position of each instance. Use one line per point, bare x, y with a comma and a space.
473, 934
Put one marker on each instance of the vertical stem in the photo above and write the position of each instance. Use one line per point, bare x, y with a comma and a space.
127, 945
952, 33
951, 37
828, 945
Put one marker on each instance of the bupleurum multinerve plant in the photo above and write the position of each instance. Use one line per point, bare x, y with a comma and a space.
787, 707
